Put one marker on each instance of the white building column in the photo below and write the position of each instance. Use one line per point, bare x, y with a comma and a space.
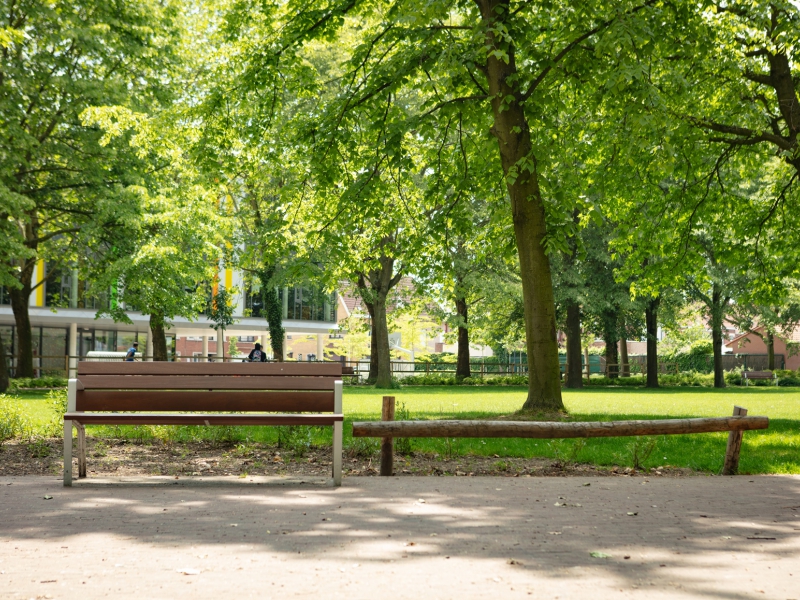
149, 346
73, 351
205, 349
220, 346
265, 342
320, 347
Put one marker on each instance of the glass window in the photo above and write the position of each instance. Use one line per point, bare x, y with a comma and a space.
54, 349
57, 288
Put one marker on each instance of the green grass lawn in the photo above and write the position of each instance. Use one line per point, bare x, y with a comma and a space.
776, 450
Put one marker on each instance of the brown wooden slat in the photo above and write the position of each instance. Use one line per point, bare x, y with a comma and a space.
200, 382
201, 419
197, 400
327, 369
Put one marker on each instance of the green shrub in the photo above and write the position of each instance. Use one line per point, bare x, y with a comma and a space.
616, 381
13, 421
401, 413
361, 447
295, 438
507, 380
688, 379
734, 377
39, 383
57, 399
789, 381
429, 379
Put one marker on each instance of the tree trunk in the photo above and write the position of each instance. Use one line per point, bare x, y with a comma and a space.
770, 351
380, 333
527, 207
374, 287
160, 337
651, 323
3, 367
717, 310
274, 312
574, 377
623, 354
373, 343
462, 363
611, 337
19, 305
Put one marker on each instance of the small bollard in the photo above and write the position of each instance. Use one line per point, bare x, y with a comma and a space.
387, 443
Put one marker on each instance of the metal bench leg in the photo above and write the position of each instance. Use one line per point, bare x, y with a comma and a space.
81, 449
337, 435
72, 389
337, 453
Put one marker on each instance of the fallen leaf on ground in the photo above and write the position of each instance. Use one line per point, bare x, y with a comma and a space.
189, 571
597, 554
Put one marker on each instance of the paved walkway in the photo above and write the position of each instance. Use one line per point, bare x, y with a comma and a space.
413, 537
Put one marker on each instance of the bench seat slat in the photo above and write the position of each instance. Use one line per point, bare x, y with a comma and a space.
200, 419
305, 401
294, 369
201, 382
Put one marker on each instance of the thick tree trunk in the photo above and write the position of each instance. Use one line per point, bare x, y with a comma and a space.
274, 312
717, 310
651, 324
770, 351
462, 362
22, 320
573, 376
3, 367
611, 338
160, 337
527, 207
374, 287
380, 333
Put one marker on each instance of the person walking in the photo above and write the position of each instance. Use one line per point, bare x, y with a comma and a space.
257, 354
130, 356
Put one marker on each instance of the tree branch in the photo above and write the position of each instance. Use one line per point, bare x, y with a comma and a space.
572, 45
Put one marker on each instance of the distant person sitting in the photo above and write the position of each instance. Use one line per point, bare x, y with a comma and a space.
131, 354
257, 354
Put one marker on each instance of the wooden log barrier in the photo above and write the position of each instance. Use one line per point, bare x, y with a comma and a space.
387, 443
548, 430
731, 465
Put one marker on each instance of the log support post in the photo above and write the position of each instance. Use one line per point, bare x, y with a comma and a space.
387, 443
731, 465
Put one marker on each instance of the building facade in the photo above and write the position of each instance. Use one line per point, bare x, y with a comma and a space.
65, 326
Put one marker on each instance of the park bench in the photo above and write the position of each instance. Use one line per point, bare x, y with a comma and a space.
754, 375
144, 393
388, 429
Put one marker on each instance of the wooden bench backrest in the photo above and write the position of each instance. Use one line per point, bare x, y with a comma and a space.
759, 374
202, 386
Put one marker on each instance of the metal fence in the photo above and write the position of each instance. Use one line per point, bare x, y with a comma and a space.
58, 365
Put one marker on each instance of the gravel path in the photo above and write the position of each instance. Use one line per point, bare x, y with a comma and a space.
402, 537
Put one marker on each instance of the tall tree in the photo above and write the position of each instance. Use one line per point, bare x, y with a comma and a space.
416, 70
60, 188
